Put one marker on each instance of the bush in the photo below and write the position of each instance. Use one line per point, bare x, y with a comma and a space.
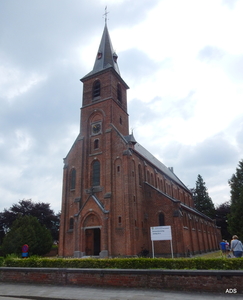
27, 230
128, 263
1, 261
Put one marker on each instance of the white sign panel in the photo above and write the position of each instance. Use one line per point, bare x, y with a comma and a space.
161, 233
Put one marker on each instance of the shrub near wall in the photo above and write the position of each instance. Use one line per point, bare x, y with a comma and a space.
126, 263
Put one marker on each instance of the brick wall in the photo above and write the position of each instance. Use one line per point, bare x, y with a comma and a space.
195, 280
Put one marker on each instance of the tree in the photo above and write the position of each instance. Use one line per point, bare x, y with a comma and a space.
202, 201
27, 230
221, 215
41, 211
235, 219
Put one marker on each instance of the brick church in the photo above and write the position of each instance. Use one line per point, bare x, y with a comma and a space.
114, 190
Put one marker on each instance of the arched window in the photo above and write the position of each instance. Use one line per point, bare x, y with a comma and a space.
96, 89
161, 219
73, 179
162, 185
152, 179
96, 173
119, 92
148, 177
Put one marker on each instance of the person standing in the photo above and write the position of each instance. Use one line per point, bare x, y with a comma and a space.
223, 247
236, 246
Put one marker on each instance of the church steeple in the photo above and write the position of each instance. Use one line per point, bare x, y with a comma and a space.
104, 90
106, 56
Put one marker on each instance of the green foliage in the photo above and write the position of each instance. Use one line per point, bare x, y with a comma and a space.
129, 263
235, 219
221, 215
202, 201
1, 261
27, 230
41, 211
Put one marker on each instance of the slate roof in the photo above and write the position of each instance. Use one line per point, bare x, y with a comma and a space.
153, 160
106, 56
158, 164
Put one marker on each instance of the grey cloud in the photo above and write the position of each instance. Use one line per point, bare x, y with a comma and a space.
234, 67
231, 64
235, 130
185, 106
206, 158
36, 33
239, 137
182, 108
210, 53
141, 64
230, 3
214, 151
130, 12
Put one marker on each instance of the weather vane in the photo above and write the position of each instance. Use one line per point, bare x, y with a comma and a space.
105, 14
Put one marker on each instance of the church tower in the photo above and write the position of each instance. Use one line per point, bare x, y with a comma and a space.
104, 91
90, 199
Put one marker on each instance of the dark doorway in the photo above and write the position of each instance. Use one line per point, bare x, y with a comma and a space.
92, 241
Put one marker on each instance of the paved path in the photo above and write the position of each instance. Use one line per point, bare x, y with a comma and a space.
51, 292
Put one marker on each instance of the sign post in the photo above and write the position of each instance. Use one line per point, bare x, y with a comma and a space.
161, 233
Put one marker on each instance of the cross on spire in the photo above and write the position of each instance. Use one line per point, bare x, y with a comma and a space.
105, 14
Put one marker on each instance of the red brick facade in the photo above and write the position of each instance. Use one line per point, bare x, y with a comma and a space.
114, 190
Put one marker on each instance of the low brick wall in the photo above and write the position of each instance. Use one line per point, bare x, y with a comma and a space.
195, 280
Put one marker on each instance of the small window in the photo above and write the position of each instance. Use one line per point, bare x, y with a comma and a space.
121, 120
71, 224
119, 219
118, 169
119, 92
96, 144
96, 89
161, 219
115, 57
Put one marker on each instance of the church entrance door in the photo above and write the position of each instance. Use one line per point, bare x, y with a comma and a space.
92, 241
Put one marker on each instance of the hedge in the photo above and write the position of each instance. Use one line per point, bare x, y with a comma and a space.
126, 263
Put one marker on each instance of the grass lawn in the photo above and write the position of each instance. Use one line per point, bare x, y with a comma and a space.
216, 254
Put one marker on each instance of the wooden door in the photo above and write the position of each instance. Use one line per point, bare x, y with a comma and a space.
89, 241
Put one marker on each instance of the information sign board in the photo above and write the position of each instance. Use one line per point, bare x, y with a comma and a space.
161, 233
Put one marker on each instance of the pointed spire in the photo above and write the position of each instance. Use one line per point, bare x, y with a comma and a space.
106, 56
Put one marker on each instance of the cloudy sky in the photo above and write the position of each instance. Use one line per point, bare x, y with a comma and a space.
183, 61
